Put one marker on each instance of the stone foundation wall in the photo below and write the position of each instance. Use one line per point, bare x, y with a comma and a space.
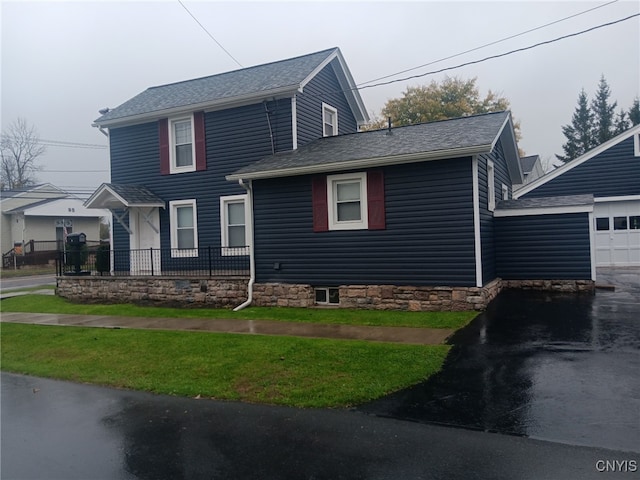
381, 297
231, 292
226, 292
569, 286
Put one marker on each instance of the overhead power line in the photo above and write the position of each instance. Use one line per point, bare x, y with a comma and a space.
510, 52
208, 33
489, 44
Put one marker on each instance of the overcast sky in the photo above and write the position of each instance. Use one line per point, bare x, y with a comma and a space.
63, 61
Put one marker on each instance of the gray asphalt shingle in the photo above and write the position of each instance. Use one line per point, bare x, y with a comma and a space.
225, 86
478, 131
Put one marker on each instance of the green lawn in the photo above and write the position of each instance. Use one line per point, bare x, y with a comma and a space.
52, 304
274, 370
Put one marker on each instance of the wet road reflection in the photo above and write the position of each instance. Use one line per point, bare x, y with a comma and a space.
551, 366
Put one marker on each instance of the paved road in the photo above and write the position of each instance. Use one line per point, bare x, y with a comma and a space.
60, 430
26, 282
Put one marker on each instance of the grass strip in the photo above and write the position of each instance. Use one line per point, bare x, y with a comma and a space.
273, 370
52, 304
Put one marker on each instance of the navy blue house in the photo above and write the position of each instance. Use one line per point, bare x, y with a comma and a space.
611, 174
172, 145
267, 165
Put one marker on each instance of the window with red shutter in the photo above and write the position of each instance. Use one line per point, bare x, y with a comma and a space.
375, 200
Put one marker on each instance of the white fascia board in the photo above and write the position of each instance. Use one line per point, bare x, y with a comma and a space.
623, 198
222, 104
521, 212
347, 84
361, 163
94, 201
516, 176
576, 162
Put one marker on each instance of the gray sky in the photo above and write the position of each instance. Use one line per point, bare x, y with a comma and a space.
63, 61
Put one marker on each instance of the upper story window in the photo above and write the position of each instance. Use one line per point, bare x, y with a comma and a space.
505, 192
233, 225
183, 219
329, 120
347, 199
491, 186
182, 145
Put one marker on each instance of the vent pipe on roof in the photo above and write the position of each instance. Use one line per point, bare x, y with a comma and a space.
389, 127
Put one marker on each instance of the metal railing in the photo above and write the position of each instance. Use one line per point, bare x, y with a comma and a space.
192, 262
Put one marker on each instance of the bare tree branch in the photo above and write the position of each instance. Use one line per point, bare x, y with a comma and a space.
19, 149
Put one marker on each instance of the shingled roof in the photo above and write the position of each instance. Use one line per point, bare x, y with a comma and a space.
427, 141
281, 78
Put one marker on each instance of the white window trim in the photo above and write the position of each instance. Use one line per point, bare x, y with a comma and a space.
173, 222
173, 168
505, 192
636, 144
326, 290
224, 225
334, 224
491, 186
334, 110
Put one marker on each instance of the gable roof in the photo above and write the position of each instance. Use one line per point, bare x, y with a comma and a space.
580, 160
277, 79
528, 163
414, 143
111, 196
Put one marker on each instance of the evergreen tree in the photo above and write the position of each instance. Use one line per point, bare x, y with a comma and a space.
603, 113
634, 112
621, 123
579, 133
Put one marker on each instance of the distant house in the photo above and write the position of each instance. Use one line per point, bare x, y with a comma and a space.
266, 166
531, 168
39, 217
611, 174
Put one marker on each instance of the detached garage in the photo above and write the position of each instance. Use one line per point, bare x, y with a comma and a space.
611, 173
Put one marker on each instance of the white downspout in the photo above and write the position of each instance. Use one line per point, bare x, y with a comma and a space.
252, 261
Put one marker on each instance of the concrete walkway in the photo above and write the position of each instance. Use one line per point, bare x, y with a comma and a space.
408, 335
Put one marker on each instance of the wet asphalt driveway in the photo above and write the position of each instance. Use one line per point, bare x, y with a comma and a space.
564, 368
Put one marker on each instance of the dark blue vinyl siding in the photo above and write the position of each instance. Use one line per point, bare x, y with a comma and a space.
234, 138
487, 228
323, 88
428, 238
614, 172
543, 247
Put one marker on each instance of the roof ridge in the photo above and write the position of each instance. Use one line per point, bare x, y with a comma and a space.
243, 69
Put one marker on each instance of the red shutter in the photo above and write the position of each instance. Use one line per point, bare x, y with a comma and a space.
375, 200
163, 130
201, 152
319, 199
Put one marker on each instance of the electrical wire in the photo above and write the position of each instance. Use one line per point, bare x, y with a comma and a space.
491, 57
488, 44
208, 33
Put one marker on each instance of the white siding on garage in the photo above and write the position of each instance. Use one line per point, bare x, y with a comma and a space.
617, 233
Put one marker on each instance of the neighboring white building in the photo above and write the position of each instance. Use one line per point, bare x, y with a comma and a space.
45, 213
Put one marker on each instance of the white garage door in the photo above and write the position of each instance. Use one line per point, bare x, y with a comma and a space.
617, 233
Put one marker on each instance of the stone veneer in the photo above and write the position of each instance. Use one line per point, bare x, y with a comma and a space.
381, 297
212, 292
230, 292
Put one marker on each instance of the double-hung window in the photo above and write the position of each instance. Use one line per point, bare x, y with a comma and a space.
347, 200
329, 120
183, 219
233, 225
182, 145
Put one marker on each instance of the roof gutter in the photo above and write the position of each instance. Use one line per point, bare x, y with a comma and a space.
252, 260
362, 163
